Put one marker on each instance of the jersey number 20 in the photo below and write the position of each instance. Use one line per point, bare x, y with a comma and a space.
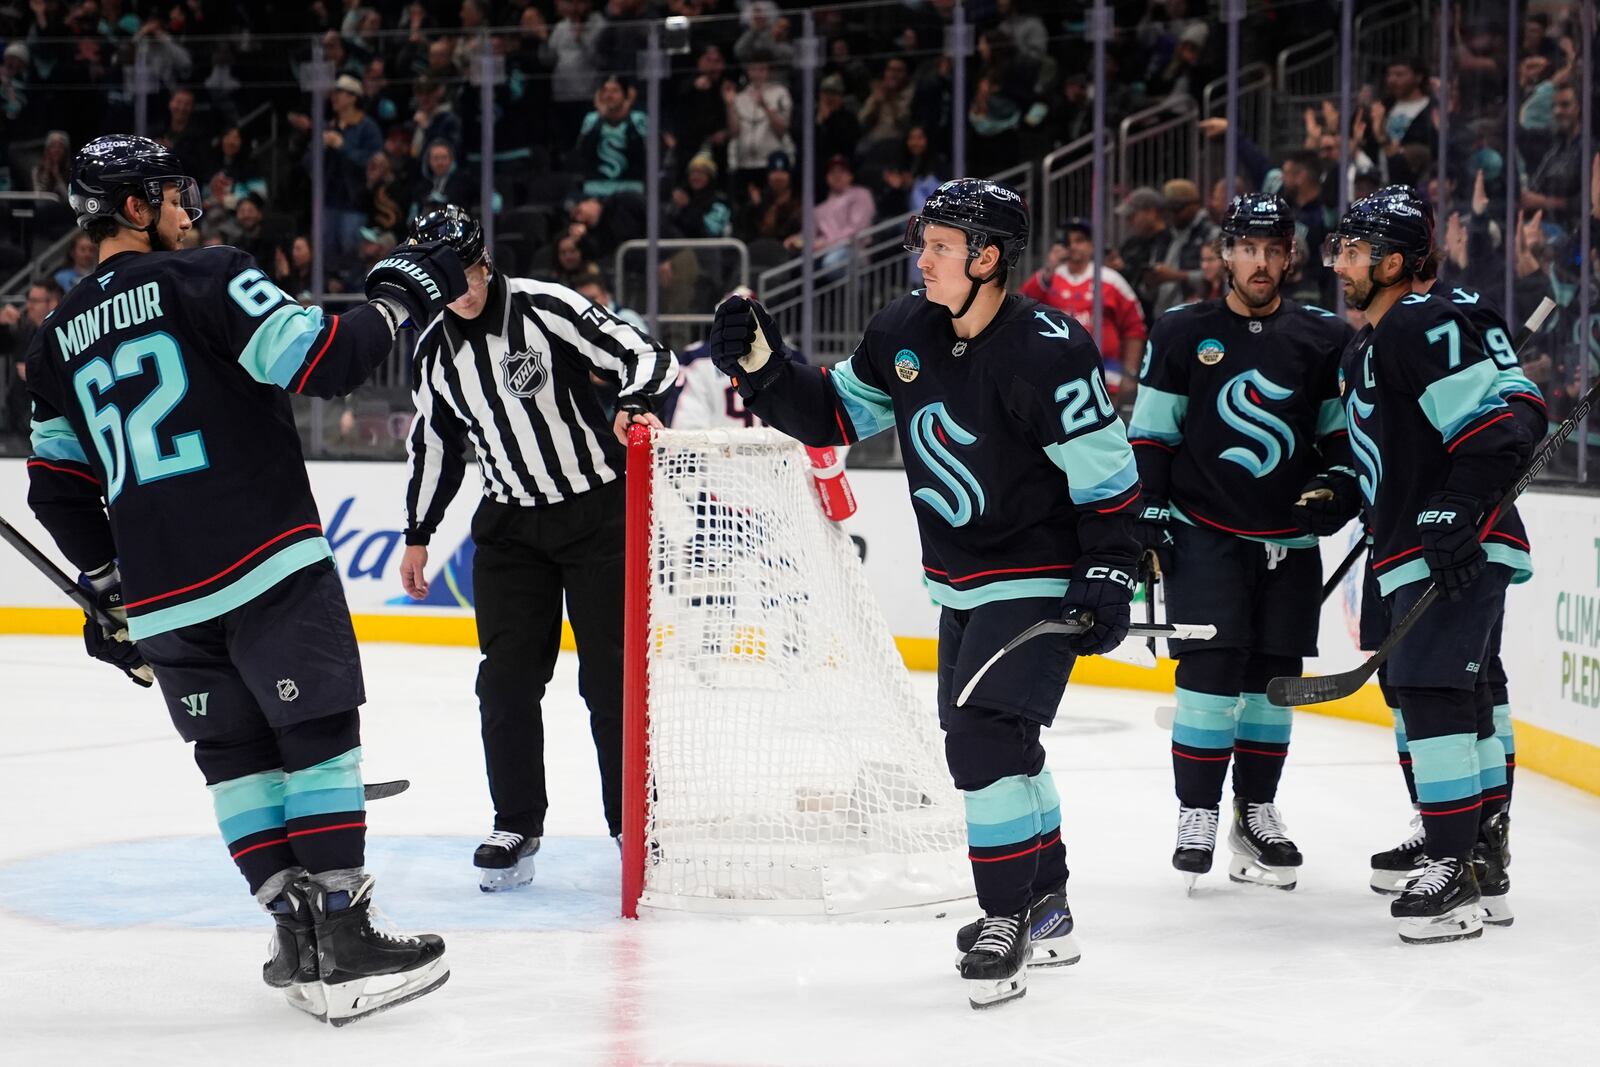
135, 440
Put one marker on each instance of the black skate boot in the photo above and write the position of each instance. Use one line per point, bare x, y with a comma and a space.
506, 859
1262, 851
1197, 841
1488, 866
293, 965
366, 969
1049, 927
996, 968
1440, 905
1391, 870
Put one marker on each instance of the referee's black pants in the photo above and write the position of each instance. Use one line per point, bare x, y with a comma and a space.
526, 558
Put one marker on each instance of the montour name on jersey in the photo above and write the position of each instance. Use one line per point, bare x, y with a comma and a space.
117, 312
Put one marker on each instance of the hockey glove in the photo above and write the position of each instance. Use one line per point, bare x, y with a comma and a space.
1327, 502
1099, 594
422, 278
746, 345
1448, 526
105, 589
1154, 533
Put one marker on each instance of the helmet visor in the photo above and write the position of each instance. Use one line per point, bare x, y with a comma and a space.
1252, 248
946, 241
1342, 248
188, 193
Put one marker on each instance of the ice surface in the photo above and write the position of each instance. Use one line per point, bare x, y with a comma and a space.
126, 936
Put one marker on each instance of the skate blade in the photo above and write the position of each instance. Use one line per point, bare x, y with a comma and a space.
500, 879
1189, 880
349, 1002
1060, 951
1246, 871
984, 993
309, 998
1392, 883
1458, 924
1496, 911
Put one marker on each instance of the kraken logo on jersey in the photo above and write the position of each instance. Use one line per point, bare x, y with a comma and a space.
524, 372
1365, 449
929, 426
1239, 404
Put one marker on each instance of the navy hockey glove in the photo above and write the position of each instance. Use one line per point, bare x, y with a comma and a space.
1448, 526
1100, 594
1327, 502
422, 278
746, 345
1152, 528
105, 589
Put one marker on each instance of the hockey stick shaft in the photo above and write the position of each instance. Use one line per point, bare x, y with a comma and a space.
1344, 568
1289, 692
56, 575
1180, 631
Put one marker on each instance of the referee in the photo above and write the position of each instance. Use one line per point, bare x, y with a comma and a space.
507, 369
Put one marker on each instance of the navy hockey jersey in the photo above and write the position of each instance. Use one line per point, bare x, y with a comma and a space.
160, 391
1426, 414
1016, 460
1512, 384
1234, 415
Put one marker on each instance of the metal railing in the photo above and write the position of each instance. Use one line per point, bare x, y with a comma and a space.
1386, 33
1308, 74
1158, 144
1066, 179
679, 328
16, 286
1253, 98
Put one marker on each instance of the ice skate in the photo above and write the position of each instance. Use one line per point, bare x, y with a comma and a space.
1488, 866
1391, 870
293, 964
1050, 928
365, 968
1262, 852
1197, 841
506, 860
996, 969
1440, 905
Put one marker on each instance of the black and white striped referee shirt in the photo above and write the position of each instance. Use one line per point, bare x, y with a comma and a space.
514, 382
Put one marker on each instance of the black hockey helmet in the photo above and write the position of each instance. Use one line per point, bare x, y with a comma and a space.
455, 227
1393, 219
988, 212
1258, 215
109, 169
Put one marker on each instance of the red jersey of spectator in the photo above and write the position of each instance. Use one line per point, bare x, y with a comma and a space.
1120, 318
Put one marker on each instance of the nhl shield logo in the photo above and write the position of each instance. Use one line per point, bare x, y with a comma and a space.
287, 690
1210, 352
524, 372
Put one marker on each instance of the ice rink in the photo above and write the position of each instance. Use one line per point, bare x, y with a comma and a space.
128, 937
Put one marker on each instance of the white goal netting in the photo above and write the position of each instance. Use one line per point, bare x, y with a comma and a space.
791, 767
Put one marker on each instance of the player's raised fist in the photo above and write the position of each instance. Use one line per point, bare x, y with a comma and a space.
745, 344
422, 278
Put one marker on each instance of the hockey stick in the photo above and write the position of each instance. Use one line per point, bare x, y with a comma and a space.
1344, 568
1181, 631
74, 591
1289, 692
383, 790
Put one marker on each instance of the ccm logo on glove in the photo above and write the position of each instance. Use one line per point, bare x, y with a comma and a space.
1110, 574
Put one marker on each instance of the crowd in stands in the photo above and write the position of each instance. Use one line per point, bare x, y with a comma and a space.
403, 130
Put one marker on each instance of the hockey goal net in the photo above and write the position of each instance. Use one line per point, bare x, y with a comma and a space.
777, 759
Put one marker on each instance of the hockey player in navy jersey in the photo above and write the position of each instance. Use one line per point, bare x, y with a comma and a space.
1023, 487
1391, 869
1436, 446
166, 465
1237, 418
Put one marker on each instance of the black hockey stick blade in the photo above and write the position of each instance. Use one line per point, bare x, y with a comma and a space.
384, 790
1291, 692
1182, 631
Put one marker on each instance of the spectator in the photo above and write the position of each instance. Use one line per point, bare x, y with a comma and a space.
1182, 75
1068, 282
700, 120
435, 118
1176, 272
1406, 121
291, 269
771, 213
847, 210
1144, 211
347, 143
1556, 185
602, 225
625, 37
758, 122
250, 236
765, 39
17, 327
911, 179
568, 263
886, 115
14, 90
995, 120
611, 148
442, 181
374, 245
838, 129
338, 56
570, 51
82, 256
383, 199
236, 174
592, 284
50, 173
1073, 115
854, 79
362, 32
187, 135
397, 146
698, 208
385, 103
1302, 187
441, 64
1026, 32
1213, 279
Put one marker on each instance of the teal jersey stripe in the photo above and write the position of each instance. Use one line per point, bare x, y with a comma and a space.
238, 795
870, 409
1018, 589
245, 823
266, 574
1453, 402
55, 439
1099, 465
323, 801
278, 348
1452, 758
1511, 380
1330, 418
1509, 556
1303, 541
1158, 415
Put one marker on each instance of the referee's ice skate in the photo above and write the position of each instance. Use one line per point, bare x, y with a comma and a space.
506, 860
1262, 852
1050, 928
